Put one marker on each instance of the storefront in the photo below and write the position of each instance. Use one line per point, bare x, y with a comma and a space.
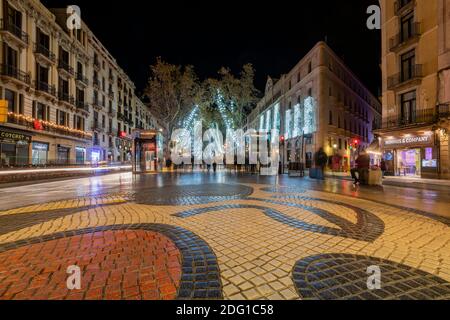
146, 153
80, 155
14, 148
412, 155
63, 154
39, 153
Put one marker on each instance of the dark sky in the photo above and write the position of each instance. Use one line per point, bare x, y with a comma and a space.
272, 35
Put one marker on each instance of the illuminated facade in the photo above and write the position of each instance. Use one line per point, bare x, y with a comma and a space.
319, 103
68, 100
416, 87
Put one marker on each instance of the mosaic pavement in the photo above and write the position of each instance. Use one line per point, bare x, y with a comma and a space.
223, 241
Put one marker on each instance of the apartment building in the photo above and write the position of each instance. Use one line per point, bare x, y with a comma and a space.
416, 87
319, 103
69, 102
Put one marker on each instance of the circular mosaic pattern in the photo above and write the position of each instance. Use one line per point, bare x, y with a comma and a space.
122, 264
346, 276
283, 189
135, 261
192, 194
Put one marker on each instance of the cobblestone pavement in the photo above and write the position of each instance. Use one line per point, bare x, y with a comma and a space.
237, 239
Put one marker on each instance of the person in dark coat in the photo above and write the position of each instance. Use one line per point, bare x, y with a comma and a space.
362, 164
321, 160
383, 167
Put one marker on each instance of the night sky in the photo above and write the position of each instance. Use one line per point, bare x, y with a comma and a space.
273, 36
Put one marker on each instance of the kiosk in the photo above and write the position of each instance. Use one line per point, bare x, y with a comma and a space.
146, 151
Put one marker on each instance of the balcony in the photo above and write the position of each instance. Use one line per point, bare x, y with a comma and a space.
401, 6
13, 32
12, 73
97, 126
43, 54
48, 127
405, 78
419, 117
45, 88
112, 131
81, 80
97, 65
444, 111
82, 106
401, 40
112, 113
96, 83
121, 117
65, 68
66, 98
96, 104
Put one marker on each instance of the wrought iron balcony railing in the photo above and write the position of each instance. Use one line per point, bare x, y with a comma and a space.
66, 97
416, 118
97, 126
398, 79
63, 65
82, 79
14, 30
403, 38
401, 5
14, 72
45, 87
44, 51
81, 105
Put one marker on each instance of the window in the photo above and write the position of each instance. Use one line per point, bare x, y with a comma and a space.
310, 92
408, 61
408, 107
10, 96
61, 118
309, 67
80, 68
14, 18
42, 75
407, 27
330, 118
41, 111
43, 41
78, 122
63, 57
10, 60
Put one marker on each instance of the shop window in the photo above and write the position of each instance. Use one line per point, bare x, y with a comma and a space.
39, 153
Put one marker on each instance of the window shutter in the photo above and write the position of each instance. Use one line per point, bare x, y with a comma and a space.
34, 110
21, 104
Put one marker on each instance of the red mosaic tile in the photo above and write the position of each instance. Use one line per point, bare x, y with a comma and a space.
123, 264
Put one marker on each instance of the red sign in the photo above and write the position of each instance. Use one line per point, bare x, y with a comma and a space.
37, 125
122, 134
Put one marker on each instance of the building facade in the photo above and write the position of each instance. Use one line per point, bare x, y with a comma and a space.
319, 103
416, 87
69, 102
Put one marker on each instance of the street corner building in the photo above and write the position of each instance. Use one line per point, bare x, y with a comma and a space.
320, 103
416, 87
65, 100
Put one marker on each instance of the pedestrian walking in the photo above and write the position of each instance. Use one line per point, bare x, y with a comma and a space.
321, 160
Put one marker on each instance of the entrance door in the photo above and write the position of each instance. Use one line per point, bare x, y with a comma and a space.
409, 162
150, 160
